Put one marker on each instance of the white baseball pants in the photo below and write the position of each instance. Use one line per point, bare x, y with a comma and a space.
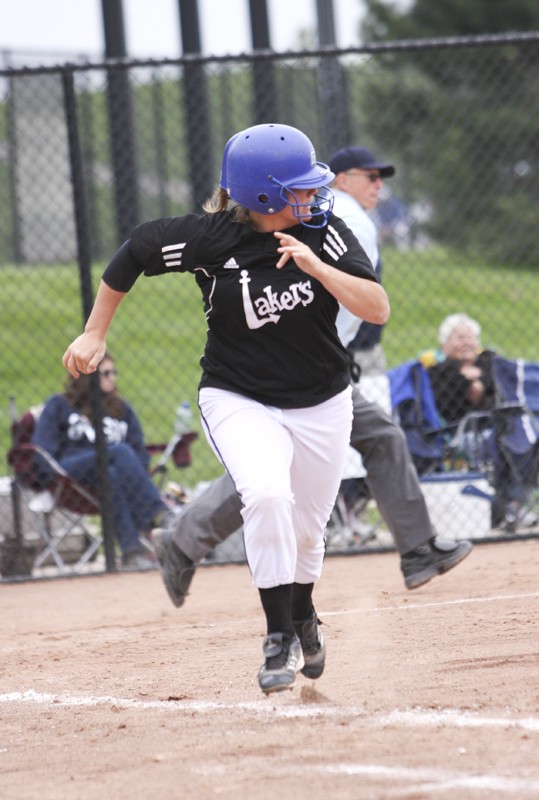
287, 465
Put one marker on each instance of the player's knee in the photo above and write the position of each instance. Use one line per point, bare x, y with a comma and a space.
268, 509
266, 488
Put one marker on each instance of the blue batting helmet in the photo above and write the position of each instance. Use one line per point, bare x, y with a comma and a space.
262, 166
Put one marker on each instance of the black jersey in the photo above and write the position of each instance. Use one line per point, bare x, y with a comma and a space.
271, 332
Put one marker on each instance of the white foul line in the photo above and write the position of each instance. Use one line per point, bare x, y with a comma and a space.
413, 606
409, 718
434, 780
425, 779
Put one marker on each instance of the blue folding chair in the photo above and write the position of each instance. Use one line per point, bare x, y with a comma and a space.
414, 408
456, 487
516, 438
517, 381
497, 449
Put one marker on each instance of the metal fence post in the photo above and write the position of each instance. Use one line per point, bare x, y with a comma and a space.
121, 124
331, 87
85, 272
265, 95
196, 107
12, 150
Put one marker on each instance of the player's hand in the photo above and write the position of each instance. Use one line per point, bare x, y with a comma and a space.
290, 247
84, 354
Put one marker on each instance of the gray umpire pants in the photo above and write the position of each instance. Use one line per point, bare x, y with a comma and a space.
391, 477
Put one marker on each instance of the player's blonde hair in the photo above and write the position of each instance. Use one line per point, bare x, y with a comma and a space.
220, 201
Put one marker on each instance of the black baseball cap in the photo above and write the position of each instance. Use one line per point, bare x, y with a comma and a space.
359, 158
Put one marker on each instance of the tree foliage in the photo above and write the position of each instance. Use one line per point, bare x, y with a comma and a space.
484, 94
430, 18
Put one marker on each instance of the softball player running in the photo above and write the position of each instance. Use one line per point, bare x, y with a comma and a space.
272, 263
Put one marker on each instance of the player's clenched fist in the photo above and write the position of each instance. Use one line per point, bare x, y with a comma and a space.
84, 354
87, 351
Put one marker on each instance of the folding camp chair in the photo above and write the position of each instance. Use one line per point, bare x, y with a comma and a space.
490, 455
516, 439
414, 408
503, 443
406, 394
456, 485
60, 509
178, 450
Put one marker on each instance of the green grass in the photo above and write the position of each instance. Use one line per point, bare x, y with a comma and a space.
158, 334
424, 287
157, 339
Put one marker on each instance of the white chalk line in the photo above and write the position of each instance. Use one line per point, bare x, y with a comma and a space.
377, 609
236, 622
438, 604
430, 780
425, 779
415, 717
242, 621
415, 779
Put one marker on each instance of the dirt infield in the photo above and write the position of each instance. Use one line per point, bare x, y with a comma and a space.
107, 691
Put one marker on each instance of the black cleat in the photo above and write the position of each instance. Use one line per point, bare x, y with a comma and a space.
432, 559
177, 569
283, 659
312, 644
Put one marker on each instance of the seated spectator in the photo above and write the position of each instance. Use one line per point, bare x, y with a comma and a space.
66, 431
462, 381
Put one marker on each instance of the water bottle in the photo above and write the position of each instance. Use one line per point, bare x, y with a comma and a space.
184, 418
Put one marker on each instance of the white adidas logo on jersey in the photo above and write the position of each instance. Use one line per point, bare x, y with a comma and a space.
231, 264
172, 254
334, 245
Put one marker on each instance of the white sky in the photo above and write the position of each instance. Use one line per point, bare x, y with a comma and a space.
75, 27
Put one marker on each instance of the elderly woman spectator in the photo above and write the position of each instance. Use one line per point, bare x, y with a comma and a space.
462, 381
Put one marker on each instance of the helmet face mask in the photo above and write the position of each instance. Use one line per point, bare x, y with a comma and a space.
264, 165
313, 214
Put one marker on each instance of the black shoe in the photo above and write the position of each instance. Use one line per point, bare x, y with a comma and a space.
283, 659
177, 569
312, 644
432, 559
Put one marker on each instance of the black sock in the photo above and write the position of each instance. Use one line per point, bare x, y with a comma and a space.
277, 604
302, 604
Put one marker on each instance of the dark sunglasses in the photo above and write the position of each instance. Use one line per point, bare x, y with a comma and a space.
108, 373
371, 176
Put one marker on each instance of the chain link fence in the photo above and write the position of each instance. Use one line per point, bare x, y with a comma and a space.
87, 151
